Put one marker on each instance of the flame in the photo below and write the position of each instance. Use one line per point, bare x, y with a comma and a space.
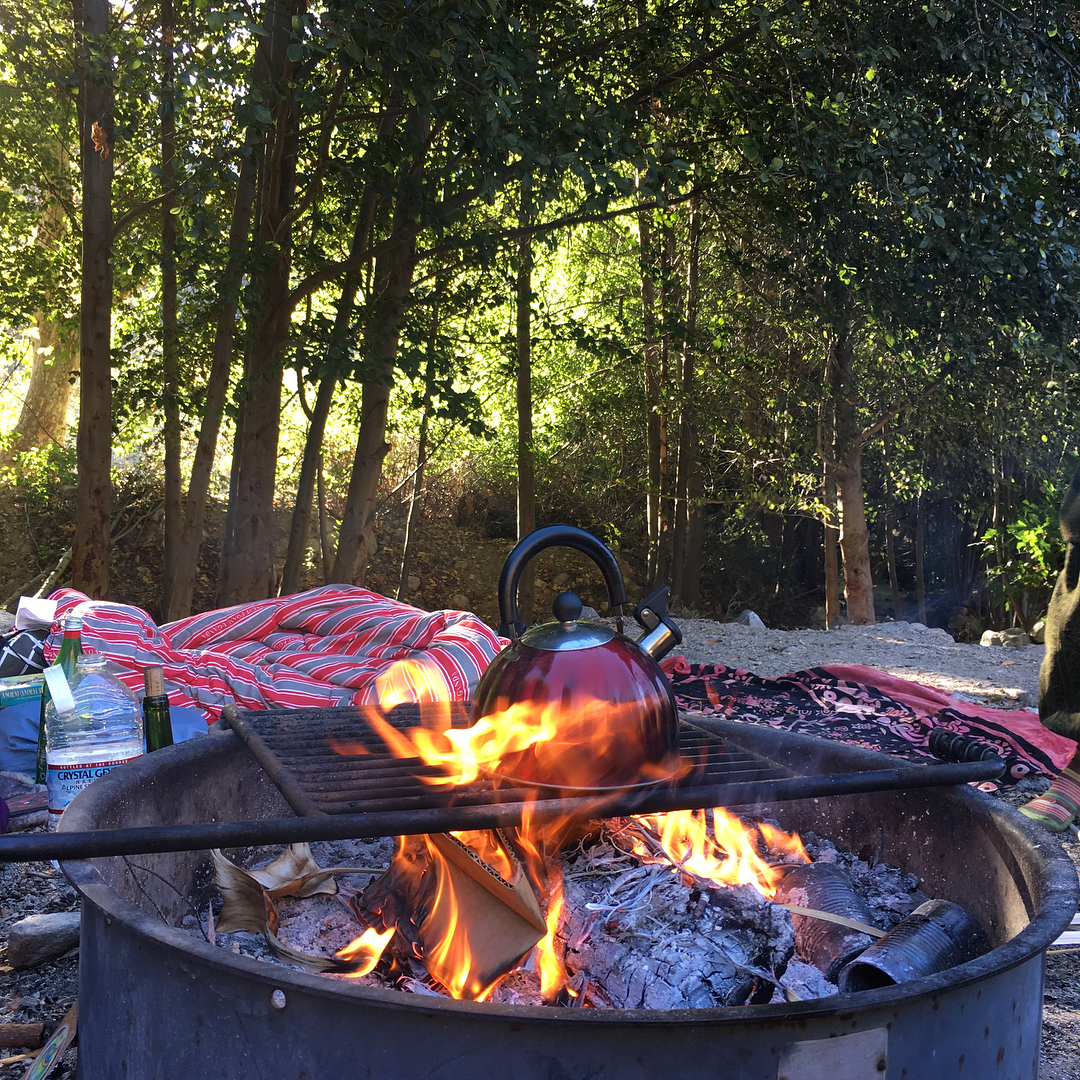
786, 844
412, 680
552, 972
729, 856
368, 947
485, 845
563, 744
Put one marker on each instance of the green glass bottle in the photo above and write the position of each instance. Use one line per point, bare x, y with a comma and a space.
157, 723
68, 659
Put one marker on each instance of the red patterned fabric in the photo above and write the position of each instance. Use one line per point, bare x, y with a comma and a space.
338, 645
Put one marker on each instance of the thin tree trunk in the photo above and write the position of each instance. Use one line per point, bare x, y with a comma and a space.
186, 561
854, 535
393, 280
305, 488
890, 540
301, 517
326, 545
684, 564
247, 554
831, 534
413, 519
391, 287
170, 342
526, 481
653, 505
669, 307
90, 547
695, 483
920, 552
890, 555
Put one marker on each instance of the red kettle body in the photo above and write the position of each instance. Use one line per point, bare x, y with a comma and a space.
601, 707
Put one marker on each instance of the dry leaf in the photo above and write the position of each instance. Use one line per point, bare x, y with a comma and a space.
293, 863
248, 902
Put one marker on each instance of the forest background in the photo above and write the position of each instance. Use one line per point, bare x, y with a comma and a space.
780, 300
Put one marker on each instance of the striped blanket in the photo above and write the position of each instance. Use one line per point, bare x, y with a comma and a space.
339, 645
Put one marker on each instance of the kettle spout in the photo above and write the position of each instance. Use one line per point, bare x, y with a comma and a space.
659, 633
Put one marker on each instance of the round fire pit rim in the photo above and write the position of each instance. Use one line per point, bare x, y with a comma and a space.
1053, 913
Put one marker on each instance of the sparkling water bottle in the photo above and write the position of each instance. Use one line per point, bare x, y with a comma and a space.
92, 725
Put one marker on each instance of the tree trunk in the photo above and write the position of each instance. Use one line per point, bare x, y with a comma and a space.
326, 546
300, 526
393, 280
526, 483
43, 417
413, 519
831, 534
390, 290
186, 561
890, 556
170, 342
653, 504
854, 535
689, 529
301, 517
90, 547
694, 480
920, 552
247, 554
670, 305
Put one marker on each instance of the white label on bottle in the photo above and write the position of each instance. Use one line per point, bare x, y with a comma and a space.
66, 781
60, 690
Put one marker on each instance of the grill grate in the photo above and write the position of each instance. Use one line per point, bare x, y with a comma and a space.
301, 751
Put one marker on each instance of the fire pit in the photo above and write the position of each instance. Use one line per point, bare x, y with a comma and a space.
157, 1003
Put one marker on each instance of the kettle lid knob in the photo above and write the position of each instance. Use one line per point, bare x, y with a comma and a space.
566, 607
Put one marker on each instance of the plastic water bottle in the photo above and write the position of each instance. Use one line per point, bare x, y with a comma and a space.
92, 725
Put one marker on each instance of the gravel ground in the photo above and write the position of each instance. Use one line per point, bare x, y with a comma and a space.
1005, 677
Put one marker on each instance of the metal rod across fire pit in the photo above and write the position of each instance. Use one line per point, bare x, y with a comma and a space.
139, 841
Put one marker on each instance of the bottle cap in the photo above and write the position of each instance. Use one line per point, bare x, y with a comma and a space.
72, 622
90, 661
154, 678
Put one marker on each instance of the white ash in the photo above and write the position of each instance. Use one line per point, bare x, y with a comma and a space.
632, 935
805, 981
891, 892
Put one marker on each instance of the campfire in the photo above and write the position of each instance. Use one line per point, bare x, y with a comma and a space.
665, 910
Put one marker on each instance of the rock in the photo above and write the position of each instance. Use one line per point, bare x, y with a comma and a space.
7, 622
413, 584
1038, 632
1012, 636
39, 938
589, 614
459, 601
559, 580
461, 564
749, 618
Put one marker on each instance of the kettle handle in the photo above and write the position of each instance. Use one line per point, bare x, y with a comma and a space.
529, 546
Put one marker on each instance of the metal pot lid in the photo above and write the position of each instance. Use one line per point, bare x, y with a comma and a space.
566, 634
